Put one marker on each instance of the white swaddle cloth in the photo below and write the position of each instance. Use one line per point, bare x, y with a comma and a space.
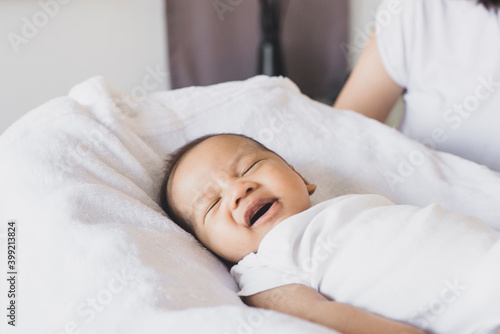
423, 266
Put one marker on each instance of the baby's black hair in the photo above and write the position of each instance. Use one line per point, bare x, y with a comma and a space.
171, 163
490, 4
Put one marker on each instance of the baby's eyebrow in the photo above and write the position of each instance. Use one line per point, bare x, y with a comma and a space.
200, 201
203, 197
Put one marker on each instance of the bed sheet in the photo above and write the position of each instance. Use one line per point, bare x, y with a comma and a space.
80, 177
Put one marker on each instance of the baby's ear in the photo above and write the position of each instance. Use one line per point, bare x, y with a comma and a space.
311, 187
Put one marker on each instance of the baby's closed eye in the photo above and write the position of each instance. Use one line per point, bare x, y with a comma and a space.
213, 204
250, 167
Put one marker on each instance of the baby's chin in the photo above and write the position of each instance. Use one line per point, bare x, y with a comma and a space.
282, 219
235, 258
264, 233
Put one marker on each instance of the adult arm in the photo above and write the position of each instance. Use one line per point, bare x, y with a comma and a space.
369, 89
306, 303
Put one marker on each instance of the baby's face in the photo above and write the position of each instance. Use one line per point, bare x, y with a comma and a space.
234, 192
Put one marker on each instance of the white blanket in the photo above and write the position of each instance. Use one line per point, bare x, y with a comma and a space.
80, 176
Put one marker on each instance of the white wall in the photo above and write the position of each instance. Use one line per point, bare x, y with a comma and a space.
75, 40
362, 19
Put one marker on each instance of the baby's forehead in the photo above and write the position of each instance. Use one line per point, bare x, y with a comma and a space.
218, 153
233, 141
226, 146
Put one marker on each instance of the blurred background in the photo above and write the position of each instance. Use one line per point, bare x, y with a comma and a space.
139, 46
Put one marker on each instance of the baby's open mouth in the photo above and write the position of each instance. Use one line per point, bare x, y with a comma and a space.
258, 209
260, 213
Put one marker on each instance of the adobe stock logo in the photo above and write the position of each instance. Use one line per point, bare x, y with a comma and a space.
448, 295
222, 7
323, 250
454, 117
30, 28
380, 19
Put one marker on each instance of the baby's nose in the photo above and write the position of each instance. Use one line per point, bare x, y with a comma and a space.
239, 191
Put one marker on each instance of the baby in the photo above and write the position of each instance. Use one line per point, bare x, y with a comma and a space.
356, 263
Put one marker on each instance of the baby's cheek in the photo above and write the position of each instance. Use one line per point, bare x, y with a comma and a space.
280, 175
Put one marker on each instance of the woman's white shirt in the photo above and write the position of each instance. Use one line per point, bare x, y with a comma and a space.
446, 54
